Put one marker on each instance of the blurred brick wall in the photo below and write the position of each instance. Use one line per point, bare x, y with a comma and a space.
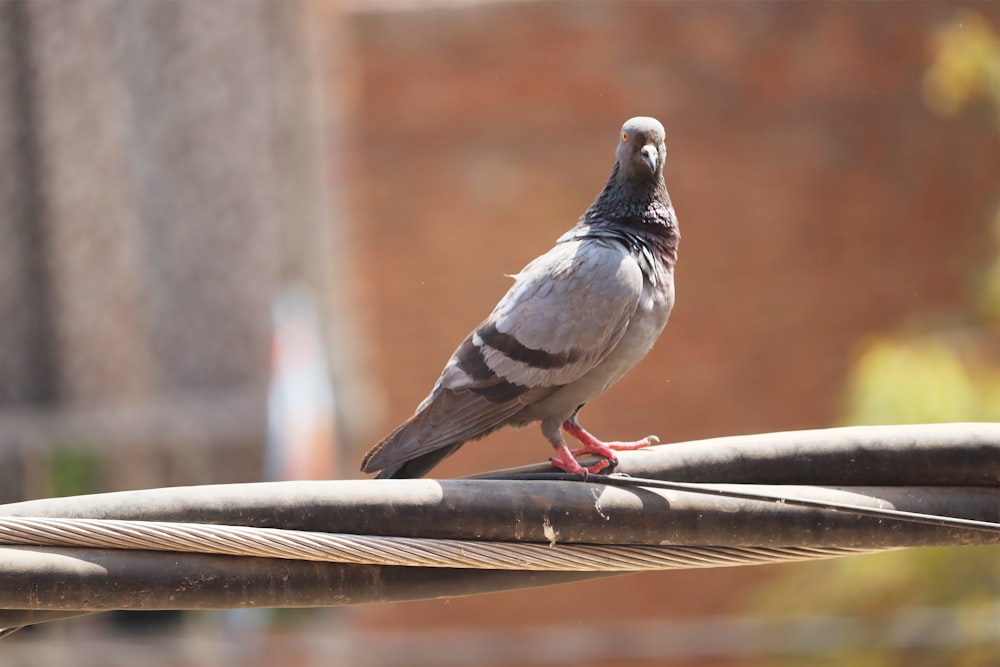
819, 201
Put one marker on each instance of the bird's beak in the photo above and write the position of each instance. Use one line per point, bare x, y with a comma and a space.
649, 155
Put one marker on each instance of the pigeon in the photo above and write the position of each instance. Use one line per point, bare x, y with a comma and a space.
574, 322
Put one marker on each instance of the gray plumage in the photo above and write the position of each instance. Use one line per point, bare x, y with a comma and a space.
575, 321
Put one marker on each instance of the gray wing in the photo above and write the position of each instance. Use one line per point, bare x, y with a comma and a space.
565, 312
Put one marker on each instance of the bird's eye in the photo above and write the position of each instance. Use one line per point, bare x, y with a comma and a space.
625, 137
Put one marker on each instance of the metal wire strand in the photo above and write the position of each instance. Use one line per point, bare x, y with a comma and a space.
400, 551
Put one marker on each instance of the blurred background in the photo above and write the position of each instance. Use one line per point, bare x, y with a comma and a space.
239, 240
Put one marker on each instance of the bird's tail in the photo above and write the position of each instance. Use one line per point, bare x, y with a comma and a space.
418, 466
443, 422
411, 450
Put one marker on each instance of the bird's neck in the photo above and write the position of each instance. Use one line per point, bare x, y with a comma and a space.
639, 206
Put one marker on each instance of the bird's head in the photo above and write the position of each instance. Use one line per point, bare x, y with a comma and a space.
641, 148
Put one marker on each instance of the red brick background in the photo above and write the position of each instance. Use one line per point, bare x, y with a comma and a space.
819, 202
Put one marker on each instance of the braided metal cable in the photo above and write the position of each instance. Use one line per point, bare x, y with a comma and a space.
400, 551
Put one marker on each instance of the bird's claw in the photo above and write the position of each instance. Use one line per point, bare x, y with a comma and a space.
565, 467
585, 471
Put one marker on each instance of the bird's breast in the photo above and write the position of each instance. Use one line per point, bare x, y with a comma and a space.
646, 325
651, 315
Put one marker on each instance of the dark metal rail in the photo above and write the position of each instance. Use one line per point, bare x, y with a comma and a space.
944, 472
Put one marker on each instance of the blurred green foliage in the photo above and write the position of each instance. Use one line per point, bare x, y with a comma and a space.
965, 580
953, 374
950, 373
921, 380
966, 65
74, 470
880, 582
989, 296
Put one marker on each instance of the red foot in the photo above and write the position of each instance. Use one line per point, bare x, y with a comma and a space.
568, 463
592, 445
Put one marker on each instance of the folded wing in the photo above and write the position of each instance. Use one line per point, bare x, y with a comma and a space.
565, 312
